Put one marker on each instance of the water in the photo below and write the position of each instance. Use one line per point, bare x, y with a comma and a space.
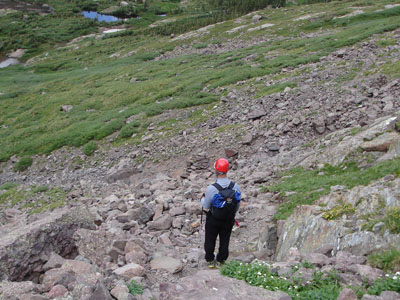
8, 62
99, 17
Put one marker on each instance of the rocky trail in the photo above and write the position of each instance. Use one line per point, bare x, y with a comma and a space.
127, 218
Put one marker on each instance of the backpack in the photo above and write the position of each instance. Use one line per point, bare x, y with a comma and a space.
225, 203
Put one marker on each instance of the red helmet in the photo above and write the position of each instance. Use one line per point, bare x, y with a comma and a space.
221, 165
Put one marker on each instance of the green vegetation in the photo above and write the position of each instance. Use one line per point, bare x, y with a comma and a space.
276, 88
23, 164
389, 283
135, 288
7, 186
322, 286
94, 75
388, 217
392, 220
35, 199
387, 260
89, 148
40, 189
310, 185
259, 274
338, 211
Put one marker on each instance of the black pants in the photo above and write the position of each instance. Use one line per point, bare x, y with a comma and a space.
216, 228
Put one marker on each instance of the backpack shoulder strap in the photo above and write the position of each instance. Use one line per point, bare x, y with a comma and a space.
231, 185
218, 187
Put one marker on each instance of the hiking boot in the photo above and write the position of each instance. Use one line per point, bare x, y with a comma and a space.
211, 264
219, 264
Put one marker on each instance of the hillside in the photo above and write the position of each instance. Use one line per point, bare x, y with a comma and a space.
107, 142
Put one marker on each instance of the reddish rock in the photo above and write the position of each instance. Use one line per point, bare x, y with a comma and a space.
57, 291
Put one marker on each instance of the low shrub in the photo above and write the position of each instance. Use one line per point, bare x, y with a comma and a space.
89, 148
7, 186
135, 288
321, 286
129, 129
23, 164
387, 260
392, 220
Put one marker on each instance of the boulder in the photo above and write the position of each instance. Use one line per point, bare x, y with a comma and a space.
66, 108
78, 267
347, 294
381, 143
58, 276
130, 270
93, 245
193, 207
100, 292
256, 18
162, 223
12, 290
55, 261
57, 291
137, 257
365, 271
210, 285
27, 248
170, 264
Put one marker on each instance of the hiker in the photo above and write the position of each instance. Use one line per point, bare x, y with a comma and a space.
221, 202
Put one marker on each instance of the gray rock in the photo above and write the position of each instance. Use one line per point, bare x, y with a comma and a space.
100, 292
247, 139
12, 290
58, 276
381, 143
66, 108
170, 264
198, 287
365, 271
26, 248
93, 244
162, 223
347, 294
55, 261
256, 18
390, 295
130, 270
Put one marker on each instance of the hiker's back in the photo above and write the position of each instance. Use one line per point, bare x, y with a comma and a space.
225, 202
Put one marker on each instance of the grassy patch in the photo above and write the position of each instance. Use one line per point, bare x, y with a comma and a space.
310, 185
387, 260
275, 88
338, 211
258, 274
94, 76
135, 288
89, 148
23, 164
34, 200
8, 185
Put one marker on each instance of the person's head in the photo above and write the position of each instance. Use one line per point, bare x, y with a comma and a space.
221, 167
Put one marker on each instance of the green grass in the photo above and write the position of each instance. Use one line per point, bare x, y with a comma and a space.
135, 288
103, 98
310, 185
7, 186
321, 286
387, 260
23, 164
34, 200
89, 148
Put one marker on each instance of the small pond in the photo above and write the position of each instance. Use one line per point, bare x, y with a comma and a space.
8, 62
99, 17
